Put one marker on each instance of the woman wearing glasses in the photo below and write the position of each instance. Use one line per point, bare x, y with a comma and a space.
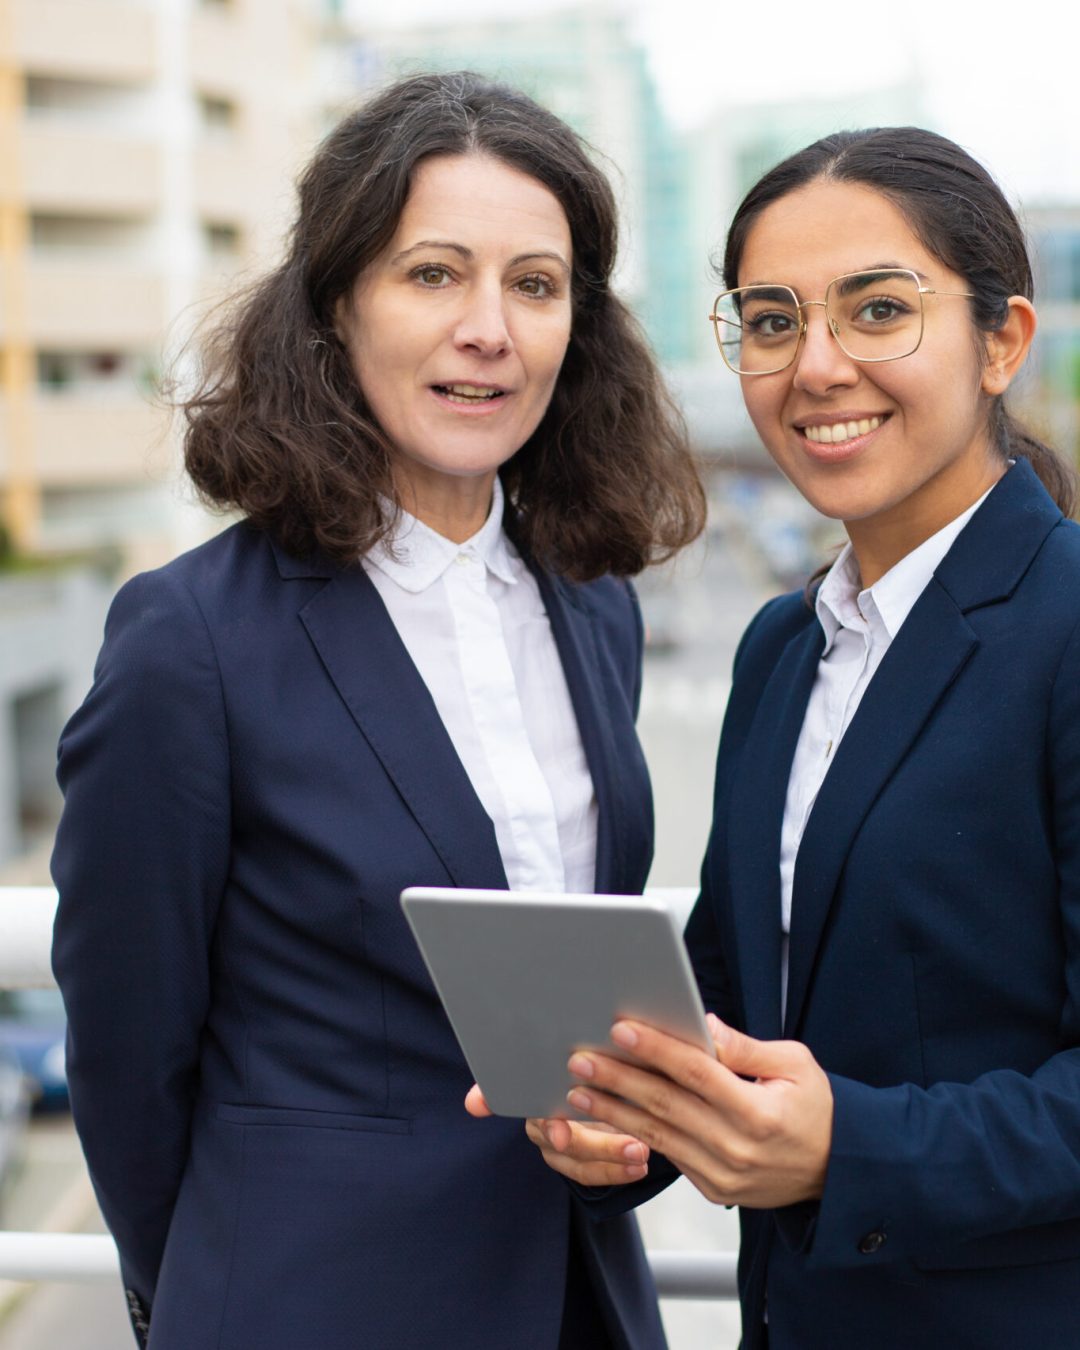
888, 931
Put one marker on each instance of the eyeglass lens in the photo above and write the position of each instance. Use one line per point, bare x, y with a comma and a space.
875, 316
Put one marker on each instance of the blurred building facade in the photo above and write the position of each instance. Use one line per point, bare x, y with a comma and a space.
1051, 391
147, 149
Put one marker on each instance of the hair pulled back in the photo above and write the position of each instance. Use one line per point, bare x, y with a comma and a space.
279, 427
958, 213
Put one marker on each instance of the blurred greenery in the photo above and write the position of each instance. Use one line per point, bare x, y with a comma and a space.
105, 559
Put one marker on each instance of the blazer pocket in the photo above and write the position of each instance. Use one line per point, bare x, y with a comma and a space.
1045, 1243
294, 1117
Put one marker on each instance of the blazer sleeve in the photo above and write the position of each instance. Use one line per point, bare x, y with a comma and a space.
140, 865
914, 1171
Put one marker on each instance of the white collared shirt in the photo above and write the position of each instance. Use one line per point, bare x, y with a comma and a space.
473, 622
859, 627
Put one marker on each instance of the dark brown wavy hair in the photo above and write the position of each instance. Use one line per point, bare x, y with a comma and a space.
279, 428
958, 213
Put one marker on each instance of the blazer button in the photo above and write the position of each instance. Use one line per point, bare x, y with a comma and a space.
871, 1242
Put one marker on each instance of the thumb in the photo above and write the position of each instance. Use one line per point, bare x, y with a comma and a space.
748, 1057
475, 1103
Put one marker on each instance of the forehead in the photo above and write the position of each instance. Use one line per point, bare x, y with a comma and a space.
476, 200
826, 229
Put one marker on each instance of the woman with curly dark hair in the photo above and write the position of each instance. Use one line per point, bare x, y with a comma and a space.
415, 660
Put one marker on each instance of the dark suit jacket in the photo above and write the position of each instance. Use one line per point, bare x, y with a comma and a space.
267, 1089
935, 952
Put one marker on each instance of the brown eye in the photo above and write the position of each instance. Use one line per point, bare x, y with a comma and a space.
432, 274
536, 286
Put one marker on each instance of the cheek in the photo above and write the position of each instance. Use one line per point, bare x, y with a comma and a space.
764, 405
381, 369
546, 352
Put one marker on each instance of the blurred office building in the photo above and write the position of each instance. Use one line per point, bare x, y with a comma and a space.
147, 149
1051, 390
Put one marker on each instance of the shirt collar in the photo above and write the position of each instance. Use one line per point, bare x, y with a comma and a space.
892, 596
415, 556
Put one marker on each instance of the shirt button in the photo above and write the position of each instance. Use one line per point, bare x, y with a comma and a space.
463, 560
871, 1242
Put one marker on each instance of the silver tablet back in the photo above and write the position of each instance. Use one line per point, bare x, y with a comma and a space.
527, 978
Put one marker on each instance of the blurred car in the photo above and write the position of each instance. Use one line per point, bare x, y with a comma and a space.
33, 1028
14, 1110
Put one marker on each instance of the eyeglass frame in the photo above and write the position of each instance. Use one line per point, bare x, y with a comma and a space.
715, 318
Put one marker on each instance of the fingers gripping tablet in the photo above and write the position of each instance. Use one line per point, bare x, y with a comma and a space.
527, 978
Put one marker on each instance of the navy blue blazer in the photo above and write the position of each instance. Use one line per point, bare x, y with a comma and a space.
935, 952
267, 1089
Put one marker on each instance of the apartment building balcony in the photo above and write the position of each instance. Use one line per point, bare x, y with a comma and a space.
67, 167
222, 178
82, 439
109, 39
216, 37
103, 304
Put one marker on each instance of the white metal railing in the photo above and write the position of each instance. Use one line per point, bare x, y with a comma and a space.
71, 1257
91, 1258
26, 919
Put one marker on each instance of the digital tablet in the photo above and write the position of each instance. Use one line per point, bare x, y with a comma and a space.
526, 978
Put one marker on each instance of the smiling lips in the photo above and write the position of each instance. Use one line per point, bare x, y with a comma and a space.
834, 433
469, 393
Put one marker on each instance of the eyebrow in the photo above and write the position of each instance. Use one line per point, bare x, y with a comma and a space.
857, 272
868, 276
469, 255
771, 290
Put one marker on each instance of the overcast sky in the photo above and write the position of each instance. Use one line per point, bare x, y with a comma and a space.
1003, 79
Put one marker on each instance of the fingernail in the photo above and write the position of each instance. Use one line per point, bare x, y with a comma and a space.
635, 1152
581, 1066
624, 1035
636, 1172
580, 1099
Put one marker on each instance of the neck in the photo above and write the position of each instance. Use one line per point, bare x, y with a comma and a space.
879, 542
456, 508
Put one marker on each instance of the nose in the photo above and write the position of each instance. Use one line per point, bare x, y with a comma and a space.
821, 363
482, 325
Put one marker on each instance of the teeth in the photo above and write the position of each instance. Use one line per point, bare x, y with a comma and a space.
835, 433
469, 393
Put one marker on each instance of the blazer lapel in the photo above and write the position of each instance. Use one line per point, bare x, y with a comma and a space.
593, 695
925, 658
756, 815
984, 566
372, 671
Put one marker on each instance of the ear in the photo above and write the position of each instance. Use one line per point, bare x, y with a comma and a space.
342, 315
1007, 349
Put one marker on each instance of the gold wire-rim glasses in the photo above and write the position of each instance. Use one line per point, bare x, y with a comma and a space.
716, 318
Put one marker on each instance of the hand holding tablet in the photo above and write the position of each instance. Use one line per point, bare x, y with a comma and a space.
526, 979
